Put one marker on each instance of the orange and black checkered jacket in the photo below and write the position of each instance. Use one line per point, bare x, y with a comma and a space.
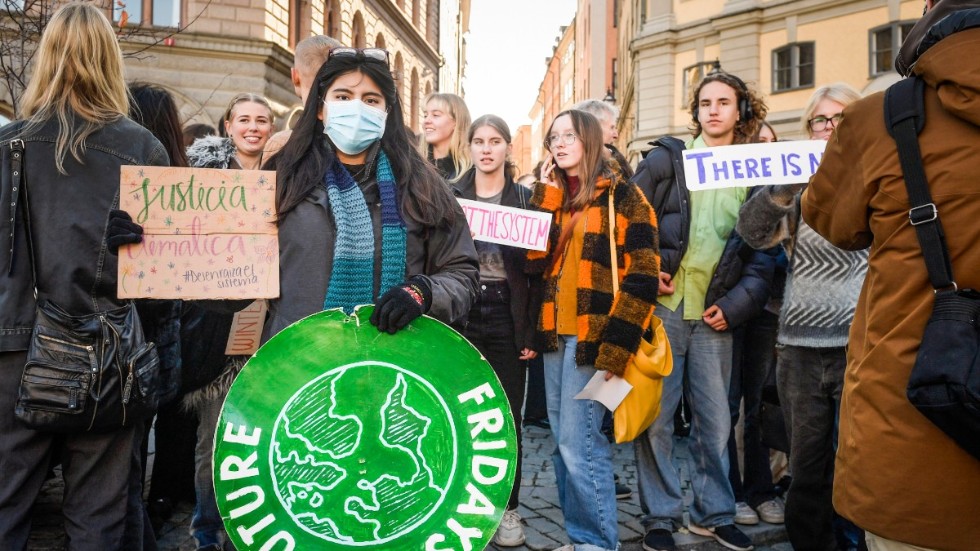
609, 328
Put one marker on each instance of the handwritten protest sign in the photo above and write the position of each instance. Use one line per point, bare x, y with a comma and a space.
752, 164
207, 234
507, 225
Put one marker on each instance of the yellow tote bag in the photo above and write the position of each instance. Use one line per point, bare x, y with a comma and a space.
646, 369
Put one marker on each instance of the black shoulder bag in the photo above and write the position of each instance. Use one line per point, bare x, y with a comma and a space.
945, 381
94, 372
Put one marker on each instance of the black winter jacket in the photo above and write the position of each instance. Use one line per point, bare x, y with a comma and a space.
741, 283
69, 215
525, 290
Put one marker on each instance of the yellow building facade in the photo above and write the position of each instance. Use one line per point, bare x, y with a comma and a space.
784, 49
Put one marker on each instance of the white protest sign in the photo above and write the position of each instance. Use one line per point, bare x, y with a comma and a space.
756, 164
526, 229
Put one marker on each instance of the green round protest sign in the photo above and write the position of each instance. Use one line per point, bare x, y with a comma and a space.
336, 435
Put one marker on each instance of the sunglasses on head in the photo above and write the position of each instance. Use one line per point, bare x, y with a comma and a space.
377, 54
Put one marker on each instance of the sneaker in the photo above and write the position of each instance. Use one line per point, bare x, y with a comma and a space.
770, 511
568, 547
745, 514
726, 534
623, 491
510, 533
659, 539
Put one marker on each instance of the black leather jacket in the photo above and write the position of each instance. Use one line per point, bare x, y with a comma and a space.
69, 214
741, 283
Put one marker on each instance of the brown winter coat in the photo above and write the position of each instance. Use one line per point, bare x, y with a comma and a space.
897, 475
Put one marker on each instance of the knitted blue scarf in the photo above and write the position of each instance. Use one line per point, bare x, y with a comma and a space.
352, 277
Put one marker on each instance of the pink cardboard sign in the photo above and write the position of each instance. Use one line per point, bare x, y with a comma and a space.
207, 234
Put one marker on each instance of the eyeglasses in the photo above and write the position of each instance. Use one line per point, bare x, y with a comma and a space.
567, 139
377, 54
819, 123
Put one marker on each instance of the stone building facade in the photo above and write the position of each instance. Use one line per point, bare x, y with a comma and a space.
784, 49
226, 47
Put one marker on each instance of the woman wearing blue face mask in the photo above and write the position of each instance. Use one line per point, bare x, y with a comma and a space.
350, 165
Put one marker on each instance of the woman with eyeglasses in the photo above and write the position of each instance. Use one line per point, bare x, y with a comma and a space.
821, 292
350, 163
501, 322
445, 124
582, 326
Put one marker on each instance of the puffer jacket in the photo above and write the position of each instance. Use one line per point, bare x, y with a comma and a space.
69, 215
742, 281
897, 475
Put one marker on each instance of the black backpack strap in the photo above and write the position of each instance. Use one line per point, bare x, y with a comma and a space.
904, 118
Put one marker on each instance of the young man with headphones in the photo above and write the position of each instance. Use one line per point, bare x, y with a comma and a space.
710, 282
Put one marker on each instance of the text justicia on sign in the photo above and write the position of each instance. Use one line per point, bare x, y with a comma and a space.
192, 196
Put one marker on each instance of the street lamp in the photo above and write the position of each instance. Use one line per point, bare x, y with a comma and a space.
610, 98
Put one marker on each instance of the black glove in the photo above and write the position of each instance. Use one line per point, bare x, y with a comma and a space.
122, 231
402, 304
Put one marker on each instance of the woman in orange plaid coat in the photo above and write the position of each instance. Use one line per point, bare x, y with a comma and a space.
583, 327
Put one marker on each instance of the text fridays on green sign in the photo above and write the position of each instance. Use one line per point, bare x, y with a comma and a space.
336, 435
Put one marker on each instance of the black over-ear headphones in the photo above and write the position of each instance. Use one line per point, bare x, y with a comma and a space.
745, 111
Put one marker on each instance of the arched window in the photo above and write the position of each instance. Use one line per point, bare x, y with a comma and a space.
416, 13
399, 76
415, 100
358, 40
379, 42
331, 19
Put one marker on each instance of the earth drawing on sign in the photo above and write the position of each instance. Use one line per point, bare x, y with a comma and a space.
373, 446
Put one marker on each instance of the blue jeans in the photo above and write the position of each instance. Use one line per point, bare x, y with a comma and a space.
583, 456
206, 524
705, 357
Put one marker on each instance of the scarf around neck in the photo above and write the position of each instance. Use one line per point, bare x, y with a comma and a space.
352, 276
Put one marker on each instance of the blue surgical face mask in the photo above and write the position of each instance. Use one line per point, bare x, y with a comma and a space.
352, 125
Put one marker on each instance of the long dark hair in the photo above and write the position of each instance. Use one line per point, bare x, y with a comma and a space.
302, 163
154, 109
593, 164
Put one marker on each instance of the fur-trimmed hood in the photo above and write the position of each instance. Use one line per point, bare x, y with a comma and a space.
211, 152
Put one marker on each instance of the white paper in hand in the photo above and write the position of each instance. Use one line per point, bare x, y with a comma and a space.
609, 393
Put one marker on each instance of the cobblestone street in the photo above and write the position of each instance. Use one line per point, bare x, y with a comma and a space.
539, 508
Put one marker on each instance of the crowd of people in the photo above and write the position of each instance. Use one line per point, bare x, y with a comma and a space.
815, 289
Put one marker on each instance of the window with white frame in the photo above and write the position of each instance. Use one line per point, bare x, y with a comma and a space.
883, 45
162, 13
793, 66
694, 74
